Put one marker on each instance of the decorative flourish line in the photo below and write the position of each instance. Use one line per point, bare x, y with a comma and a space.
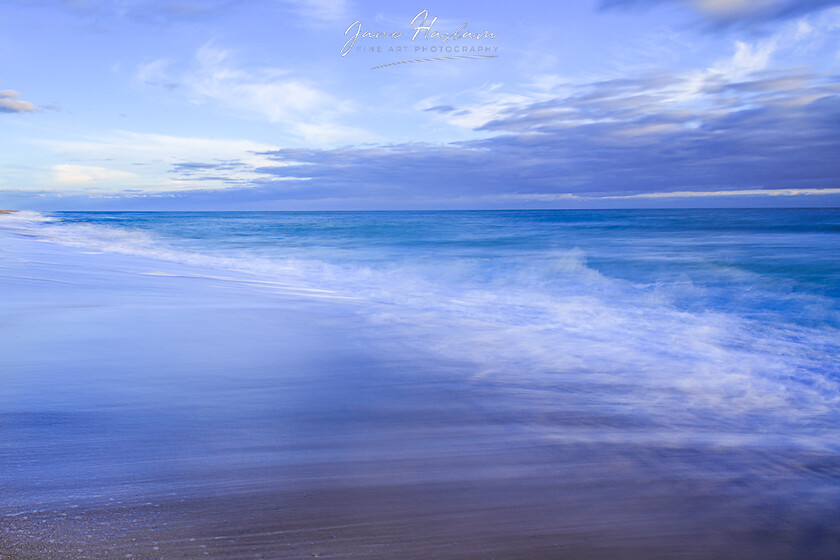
439, 58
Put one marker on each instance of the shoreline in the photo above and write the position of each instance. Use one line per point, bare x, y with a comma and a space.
184, 415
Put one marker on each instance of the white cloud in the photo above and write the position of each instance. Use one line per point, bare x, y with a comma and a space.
746, 60
307, 112
743, 192
157, 147
86, 175
479, 106
703, 89
551, 197
149, 162
154, 73
10, 102
268, 92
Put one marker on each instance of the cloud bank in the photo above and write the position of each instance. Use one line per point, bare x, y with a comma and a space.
649, 137
733, 130
731, 13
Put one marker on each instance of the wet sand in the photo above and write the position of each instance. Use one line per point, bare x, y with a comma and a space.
583, 506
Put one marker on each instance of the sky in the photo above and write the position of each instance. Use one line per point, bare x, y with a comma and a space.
368, 105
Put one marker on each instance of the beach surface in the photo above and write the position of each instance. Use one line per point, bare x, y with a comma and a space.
156, 408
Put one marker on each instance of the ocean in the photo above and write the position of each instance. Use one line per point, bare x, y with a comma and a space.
506, 384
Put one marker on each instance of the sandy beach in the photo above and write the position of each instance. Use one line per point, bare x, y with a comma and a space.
540, 516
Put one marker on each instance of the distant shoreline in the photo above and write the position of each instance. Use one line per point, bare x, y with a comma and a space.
8, 211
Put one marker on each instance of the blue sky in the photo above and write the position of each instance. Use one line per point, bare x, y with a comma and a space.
222, 104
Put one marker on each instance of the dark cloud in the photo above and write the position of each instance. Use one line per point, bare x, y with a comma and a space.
735, 13
441, 109
193, 168
608, 139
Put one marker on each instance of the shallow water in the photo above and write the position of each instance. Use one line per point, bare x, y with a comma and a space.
517, 384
